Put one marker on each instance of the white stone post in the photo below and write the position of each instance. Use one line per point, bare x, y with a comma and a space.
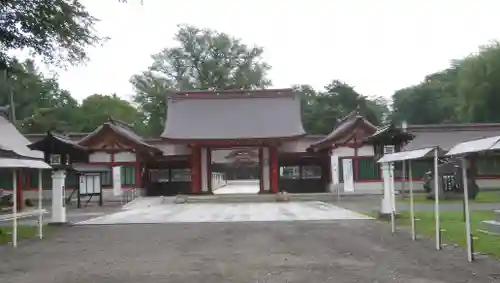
386, 205
58, 207
393, 187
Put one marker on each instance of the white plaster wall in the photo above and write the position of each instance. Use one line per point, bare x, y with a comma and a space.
125, 157
172, 149
335, 165
204, 168
366, 151
100, 157
90, 167
299, 145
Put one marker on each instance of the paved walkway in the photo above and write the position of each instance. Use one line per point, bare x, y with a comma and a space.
228, 212
239, 187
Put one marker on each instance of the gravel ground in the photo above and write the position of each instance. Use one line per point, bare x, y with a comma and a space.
298, 251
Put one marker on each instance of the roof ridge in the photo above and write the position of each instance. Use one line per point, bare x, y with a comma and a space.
232, 94
120, 123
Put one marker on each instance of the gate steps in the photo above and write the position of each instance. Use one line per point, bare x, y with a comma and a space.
235, 198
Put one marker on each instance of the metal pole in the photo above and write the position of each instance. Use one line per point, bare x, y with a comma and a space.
403, 179
412, 210
14, 207
404, 126
40, 197
436, 200
393, 220
467, 213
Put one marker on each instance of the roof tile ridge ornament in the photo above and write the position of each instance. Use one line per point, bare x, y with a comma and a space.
357, 109
352, 114
120, 123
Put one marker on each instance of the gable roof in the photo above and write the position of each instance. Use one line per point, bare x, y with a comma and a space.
448, 135
59, 139
233, 114
121, 129
389, 134
343, 127
12, 140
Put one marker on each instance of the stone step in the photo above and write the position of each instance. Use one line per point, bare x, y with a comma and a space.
235, 198
492, 226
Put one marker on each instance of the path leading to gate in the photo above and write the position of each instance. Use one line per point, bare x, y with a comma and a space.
239, 187
151, 212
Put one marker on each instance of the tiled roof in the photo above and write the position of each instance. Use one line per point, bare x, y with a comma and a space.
121, 128
447, 136
234, 114
12, 140
343, 126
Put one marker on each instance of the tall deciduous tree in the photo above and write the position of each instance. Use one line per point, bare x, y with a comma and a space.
322, 110
479, 85
39, 102
56, 30
435, 100
96, 109
204, 59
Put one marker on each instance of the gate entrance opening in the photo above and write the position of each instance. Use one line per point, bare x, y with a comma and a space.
240, 168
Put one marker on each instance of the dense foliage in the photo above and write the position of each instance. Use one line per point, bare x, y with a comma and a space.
59, 31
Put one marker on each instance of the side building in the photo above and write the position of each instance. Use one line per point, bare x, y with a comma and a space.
208, 131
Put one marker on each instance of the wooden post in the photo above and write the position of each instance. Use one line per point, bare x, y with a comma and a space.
273, 168
261, 173
195, 169
209, 169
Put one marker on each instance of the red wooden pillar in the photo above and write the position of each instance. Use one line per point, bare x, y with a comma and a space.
209, 169
261, 171
195, 169
274, 168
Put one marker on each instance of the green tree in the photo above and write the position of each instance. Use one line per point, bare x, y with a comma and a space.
321, 111
39, 102
96, 109
56, 30
478, 85
204, 59
433, 101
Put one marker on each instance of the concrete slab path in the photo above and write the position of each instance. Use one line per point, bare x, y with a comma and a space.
227, 212
239, 187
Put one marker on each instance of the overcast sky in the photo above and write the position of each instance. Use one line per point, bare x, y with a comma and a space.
376, 46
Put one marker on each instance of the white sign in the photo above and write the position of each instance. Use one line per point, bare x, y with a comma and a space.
117, 181
348, 175
90, 183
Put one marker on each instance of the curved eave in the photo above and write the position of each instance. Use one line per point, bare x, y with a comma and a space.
333, 139
50, 137
403, 137
90, 139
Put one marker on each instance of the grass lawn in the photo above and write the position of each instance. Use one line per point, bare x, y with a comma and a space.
452, 222
23, 232
482, 197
